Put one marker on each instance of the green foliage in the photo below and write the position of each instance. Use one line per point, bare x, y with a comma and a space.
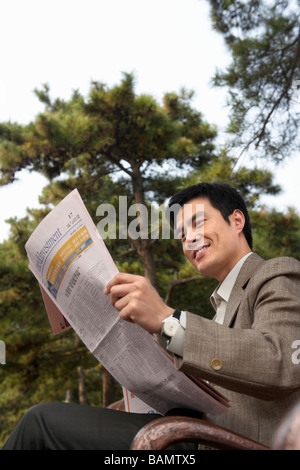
263, 38
112, 130
251, 183
276, 233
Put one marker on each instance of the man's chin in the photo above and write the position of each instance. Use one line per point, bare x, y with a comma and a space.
205, 267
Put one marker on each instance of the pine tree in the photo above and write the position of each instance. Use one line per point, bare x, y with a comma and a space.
263, 38
113, 140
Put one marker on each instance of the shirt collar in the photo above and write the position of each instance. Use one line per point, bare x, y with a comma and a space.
223, 290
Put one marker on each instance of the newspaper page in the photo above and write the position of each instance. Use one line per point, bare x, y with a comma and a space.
134, 405
69, 259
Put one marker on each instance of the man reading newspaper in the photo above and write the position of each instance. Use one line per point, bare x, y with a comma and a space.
246, 350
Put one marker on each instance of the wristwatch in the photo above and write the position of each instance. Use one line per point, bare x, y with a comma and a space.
170, 325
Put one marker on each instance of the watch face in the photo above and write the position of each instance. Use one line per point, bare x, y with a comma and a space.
170, 326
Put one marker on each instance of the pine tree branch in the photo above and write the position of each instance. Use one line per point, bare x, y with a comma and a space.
283, 93
258, 136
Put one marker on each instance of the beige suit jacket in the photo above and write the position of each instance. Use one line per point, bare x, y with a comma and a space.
250, 357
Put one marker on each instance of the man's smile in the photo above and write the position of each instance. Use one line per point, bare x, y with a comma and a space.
200, 251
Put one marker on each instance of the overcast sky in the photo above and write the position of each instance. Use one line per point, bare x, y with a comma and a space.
167, 44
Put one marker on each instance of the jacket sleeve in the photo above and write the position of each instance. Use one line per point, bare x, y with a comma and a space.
257, 360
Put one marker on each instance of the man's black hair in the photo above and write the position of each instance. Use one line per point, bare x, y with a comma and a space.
222, 197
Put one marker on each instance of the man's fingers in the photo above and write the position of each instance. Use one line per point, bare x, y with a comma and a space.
120, 302
120, 278
120, 290
124, 307
137, 301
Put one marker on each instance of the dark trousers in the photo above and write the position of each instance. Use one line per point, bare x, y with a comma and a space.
67, 426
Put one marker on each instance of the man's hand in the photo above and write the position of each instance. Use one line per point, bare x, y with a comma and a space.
137, 301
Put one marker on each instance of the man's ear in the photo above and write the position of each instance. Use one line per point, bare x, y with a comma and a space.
238, 218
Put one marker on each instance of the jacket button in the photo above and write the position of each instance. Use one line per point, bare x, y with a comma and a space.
216, 364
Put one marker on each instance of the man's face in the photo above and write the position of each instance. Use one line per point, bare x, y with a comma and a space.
212, 245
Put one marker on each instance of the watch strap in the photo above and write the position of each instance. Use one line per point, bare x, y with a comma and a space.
176, 314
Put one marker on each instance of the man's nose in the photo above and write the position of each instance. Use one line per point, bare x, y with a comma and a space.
192, 235
193, 240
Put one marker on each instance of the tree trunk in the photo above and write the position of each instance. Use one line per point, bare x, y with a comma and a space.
143, 245
144, 249
83, 399
69, 395
108, 388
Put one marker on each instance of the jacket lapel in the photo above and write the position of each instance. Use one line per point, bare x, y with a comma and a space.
248, 268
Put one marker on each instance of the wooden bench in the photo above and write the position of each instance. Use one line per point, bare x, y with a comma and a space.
165, 431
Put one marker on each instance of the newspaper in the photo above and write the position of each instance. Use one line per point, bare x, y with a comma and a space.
134, 405
72, 265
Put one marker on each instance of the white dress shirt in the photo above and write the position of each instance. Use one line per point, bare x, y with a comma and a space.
218, 298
